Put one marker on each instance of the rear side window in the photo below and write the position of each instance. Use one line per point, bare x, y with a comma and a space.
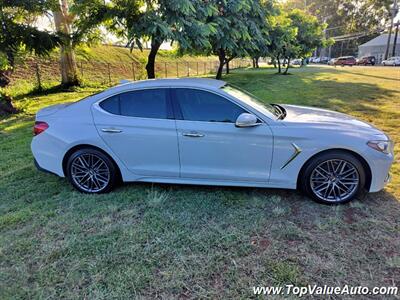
197, 105
111, 105
150, 103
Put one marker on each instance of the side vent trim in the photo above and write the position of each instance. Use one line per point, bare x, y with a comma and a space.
297, 151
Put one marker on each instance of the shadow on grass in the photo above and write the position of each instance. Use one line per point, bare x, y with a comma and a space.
57, 89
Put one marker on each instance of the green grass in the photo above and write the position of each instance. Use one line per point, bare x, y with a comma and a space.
170, 241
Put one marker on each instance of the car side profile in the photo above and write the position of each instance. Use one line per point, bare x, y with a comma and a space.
393, 61
207, 132
366, 60
345, 61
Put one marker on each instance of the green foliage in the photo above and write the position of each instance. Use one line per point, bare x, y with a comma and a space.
158, 21
346, 17
181, 21
309, 33
242, 27
282, 37
17, 32
88, 15
295, 34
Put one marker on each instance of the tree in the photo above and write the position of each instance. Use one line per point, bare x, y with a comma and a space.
262, 45
309, 34
241, 28
282, 39
295, 35
76, 22
182, 21
345, 17
19, 34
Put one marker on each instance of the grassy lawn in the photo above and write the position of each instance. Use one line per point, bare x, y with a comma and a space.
169, 241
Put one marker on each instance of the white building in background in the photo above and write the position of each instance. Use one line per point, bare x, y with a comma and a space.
377, 47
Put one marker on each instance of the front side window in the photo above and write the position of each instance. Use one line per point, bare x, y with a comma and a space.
198, 105
150, 103
253, 101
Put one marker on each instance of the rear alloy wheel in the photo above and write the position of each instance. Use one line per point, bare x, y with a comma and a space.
91, 171
334, 178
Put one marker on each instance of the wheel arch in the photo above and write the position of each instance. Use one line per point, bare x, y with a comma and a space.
85, 146
367, 168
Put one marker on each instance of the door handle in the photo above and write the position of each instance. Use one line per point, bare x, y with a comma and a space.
193, 134
111, 130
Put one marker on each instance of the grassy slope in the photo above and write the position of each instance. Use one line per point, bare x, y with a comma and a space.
184, 241
104, 53
95, 63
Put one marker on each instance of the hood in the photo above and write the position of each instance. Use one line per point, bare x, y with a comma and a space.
324, 118
49, 110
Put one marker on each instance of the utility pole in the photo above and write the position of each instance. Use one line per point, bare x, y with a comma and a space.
393, 13
395, 38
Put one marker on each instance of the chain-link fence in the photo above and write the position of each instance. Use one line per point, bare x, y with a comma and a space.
40, 72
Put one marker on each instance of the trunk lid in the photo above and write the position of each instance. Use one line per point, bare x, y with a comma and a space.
49, 110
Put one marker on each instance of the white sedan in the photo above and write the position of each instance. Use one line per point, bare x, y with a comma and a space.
393, 61
203, 131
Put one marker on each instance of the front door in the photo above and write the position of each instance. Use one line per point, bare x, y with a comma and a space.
211, 146
139, 128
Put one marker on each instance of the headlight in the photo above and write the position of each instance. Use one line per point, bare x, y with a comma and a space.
381, 146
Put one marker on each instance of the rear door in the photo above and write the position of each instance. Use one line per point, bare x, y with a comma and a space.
211, 147
139, 128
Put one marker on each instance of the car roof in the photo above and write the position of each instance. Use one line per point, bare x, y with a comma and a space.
176, 82
125, 86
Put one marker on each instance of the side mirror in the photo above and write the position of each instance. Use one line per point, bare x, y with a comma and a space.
246, 120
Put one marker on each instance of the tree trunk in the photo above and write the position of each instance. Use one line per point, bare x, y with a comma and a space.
287, 67
254, 62
151, 60
227, 61
6, 106
257, 65
274, 63
279, 64
221, 57
63, 22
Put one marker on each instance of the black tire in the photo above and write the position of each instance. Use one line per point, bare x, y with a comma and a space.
105, 182
305, 183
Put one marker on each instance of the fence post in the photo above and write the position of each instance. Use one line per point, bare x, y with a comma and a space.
109, 73
166, 71
38, 80
188, 69
133, 71
177, 70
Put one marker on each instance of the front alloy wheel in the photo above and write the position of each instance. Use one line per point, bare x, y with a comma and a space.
334, 177
334, 180
91, 171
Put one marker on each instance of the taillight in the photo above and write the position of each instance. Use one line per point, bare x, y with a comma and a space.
39, 127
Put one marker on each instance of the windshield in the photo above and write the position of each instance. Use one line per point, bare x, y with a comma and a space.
265, 108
